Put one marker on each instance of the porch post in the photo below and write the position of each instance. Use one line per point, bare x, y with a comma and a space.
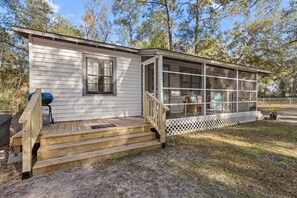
142, 89
237, 92
257, 91
160, 77
204, 89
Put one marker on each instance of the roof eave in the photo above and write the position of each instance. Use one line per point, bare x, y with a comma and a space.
25, 32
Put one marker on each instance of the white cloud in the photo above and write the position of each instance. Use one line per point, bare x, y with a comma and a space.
70, 15
53, 5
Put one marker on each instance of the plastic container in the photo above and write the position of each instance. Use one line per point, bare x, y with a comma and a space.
5, 120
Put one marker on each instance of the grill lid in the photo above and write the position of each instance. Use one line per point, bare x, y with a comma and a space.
47, 97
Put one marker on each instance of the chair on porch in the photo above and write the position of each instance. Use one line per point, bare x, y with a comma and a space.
193, 105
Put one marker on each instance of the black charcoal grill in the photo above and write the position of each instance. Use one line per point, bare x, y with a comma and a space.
47, 98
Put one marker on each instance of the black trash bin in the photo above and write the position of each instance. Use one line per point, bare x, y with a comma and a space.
5, 120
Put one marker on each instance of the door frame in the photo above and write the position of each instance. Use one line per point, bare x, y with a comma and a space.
144, 65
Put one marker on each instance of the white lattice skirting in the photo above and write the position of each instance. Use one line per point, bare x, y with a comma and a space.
200, 123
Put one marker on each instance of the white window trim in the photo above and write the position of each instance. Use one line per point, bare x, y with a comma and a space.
84, 73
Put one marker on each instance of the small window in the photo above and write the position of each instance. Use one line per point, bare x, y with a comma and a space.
99, 76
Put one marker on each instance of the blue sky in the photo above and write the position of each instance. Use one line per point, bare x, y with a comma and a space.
73, 10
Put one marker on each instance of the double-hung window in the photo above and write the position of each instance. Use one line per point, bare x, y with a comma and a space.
99, 75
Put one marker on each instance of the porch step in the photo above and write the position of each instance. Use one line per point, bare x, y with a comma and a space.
69, 161
63, 149
49, 139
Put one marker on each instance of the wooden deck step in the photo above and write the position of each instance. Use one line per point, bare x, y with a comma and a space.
49, 139
65, 162
58, 150
16, 140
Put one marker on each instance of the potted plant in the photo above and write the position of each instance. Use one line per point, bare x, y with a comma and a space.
273, 113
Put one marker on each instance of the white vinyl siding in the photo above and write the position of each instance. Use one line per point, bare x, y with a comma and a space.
58, 67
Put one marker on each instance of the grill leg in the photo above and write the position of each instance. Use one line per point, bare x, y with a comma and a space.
51, 115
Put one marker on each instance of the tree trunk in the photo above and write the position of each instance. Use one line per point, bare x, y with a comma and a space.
169, 24
196, 30
131, 42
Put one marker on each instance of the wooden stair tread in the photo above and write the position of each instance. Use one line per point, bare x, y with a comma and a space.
119, 128
92, 154
16, 139
93, 141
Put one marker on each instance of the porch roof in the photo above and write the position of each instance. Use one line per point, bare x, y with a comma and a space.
25, 32
193, 58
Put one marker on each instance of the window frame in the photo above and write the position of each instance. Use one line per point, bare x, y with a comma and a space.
85, 74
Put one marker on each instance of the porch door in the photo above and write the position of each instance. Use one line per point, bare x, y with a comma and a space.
149, 76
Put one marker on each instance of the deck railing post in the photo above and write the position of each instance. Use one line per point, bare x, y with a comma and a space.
155, 113
26, 151
31, 121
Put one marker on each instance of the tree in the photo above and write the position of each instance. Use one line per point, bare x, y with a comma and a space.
63, 26
14, 78
200, 20
260, 41
14, 52
96, 25
127, 14
166, 9
34, 14
152, 32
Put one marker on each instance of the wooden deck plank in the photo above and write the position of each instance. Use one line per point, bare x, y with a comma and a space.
80, 126
67, 126
53, 129
74, 126
85, 125
113, 121
60, 128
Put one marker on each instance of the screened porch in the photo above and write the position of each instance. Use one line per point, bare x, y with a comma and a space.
198, 89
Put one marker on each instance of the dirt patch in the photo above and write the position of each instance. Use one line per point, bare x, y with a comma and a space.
271, 158
153, 174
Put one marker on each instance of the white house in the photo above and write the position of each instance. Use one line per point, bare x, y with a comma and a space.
94, 80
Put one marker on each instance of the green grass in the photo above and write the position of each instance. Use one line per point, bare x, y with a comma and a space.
251, 160
266, 108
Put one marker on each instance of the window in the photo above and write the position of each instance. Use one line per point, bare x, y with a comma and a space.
99, 75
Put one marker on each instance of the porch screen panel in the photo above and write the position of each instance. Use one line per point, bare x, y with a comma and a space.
220, 83
246, 75
183, 88
219, 71
247, 96
247, 93
221, 90
247, 106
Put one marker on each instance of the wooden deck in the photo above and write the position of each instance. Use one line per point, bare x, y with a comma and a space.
60, 128
85, 125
